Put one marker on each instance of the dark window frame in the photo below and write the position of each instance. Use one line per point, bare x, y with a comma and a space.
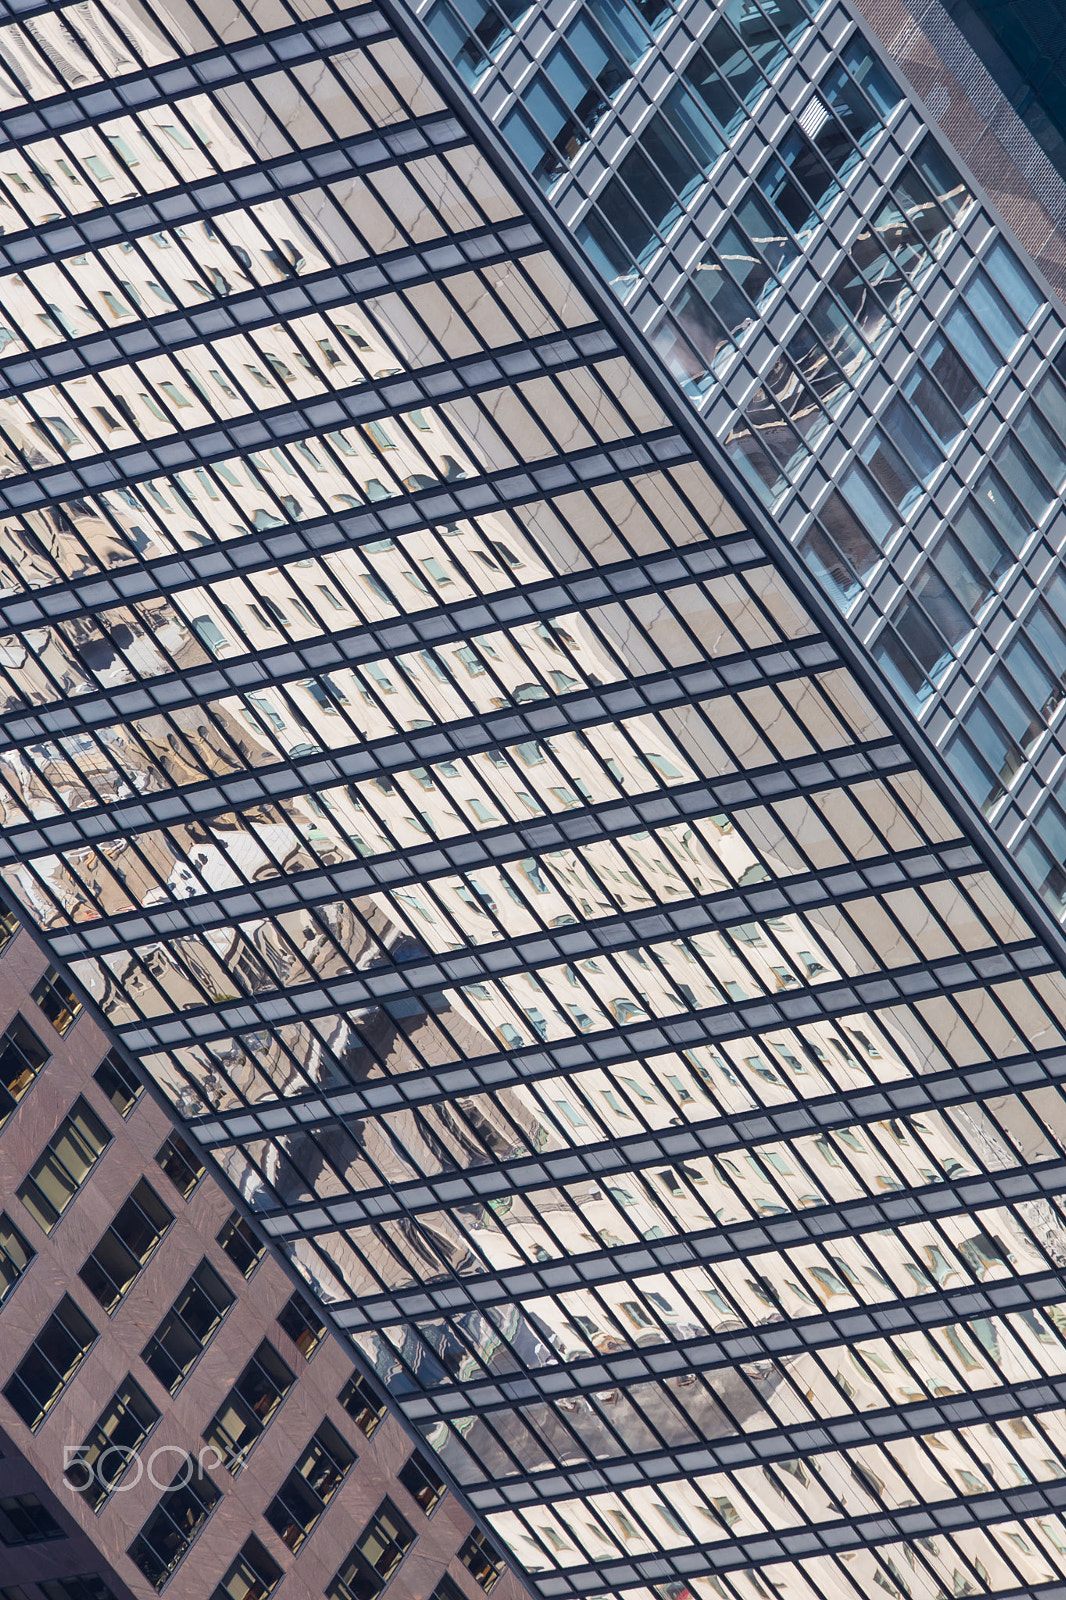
129, 1243
390, 1530
254, 1569
253, 1401
57, 1001
126, 1085
110, 1433
238, 1241
304, 1326
66, 1321
180, 1163
423, 1481
174, 1324
41, 1527
307, 1491
363, 1403
482, 1560
31, 1185
12, 1246
19, 1070
179, 1516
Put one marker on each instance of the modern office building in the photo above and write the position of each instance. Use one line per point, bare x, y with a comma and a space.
532, 671
837, 300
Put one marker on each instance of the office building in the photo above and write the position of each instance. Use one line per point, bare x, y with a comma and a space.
532, 676
864, 345
176, 1416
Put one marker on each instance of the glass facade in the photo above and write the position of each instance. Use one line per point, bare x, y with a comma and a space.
864, 345
474, 829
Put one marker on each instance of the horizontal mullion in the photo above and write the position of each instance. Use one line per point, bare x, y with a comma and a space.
807, 891
920, 980
717, 1242
447, 622
773, 1341
145, 87
22, 10
907, 1095
390, 981
610, 934
317, 536
475, 495
636, 1153
1010, 1399
251, 184
811, 1539
1053, 1590
170, 332
354, 405
394, 753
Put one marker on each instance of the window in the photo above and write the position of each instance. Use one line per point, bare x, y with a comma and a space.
375, 1558
15, 1255
181, 1164
9, 926
985, 763
363, 1404
188, 1327
57, 1000
118, 1083
423, 1482
647, 194
253, 1575
482, 1560
249, 1406
240, 1244
50, 1362
303, 1325
310, 1487
474, 33
22, 1055
1044, 870
447, 1589
119, 1431
63, 1166
175, 1523
24, 1520
126, 1246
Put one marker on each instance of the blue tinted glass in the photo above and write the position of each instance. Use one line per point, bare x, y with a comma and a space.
605, 251
469, 61
993, 312
523, 138
694, 125
621, 26
1017, 287
872, 78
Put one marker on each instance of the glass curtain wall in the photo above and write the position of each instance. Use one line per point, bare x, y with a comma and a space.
432, 781
862, 341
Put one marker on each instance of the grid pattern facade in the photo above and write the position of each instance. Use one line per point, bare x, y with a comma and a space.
835, 298
490, 853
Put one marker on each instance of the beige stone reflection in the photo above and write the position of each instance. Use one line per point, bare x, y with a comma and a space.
699, 681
